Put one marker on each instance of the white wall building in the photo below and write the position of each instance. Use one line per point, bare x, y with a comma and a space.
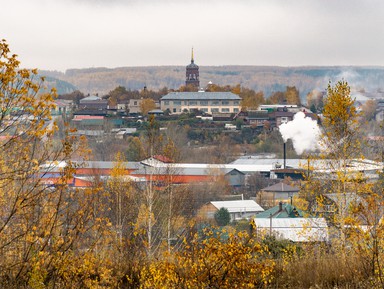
209, 102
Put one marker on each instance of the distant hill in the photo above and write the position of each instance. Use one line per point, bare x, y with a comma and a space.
61, 86
365, 81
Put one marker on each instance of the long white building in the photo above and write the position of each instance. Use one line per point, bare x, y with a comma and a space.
209, 102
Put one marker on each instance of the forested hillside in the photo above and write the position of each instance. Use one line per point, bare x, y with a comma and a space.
368, 81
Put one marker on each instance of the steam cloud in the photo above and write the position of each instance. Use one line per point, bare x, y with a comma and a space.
303, 131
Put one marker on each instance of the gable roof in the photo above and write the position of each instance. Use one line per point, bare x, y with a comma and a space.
200, 96
285, 211
58, 166
281, 187
243, 206
163, 159
92, 98
281, 114
258, 114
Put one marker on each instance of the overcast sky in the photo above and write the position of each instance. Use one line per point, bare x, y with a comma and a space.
62, 34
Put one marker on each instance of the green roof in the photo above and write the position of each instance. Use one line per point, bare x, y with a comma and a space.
287, 211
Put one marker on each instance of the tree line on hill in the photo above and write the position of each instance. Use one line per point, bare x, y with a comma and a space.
250, 98
259, 78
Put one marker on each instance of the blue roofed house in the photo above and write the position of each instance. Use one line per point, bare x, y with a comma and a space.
208, 102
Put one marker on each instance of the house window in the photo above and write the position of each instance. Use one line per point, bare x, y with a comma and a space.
193, 103
176, 102
135, 102
235, 110
214, 110
215, 102
166, 102
204, 109
225, 110
174, 110
203, 102
236, 102
284, 119
225, 102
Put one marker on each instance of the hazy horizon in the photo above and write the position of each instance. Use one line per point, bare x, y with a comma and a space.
223, 65
60, 35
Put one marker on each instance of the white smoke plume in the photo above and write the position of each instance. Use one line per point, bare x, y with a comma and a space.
303, 131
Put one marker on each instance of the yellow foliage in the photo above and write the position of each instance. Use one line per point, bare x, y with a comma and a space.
214, 259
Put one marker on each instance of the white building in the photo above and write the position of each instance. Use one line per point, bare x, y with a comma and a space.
238, 209
294, 229
209, 102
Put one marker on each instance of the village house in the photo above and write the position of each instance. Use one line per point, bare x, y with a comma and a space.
62, 107
285, 221
238, 209
93, 102
208, 102
131, 106
280, 192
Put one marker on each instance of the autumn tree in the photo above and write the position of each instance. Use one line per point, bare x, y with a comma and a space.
119, 188
292, 95
149, 225
47, 232
135, 151
251, 100
75, 96
315, 101
369, 109
277, 98
340, 144
340, 123
147, 105
213, 258
212, 87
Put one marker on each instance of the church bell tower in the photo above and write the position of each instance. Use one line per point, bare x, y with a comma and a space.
192, 73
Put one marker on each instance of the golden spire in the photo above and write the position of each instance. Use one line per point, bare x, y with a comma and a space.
192, 60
